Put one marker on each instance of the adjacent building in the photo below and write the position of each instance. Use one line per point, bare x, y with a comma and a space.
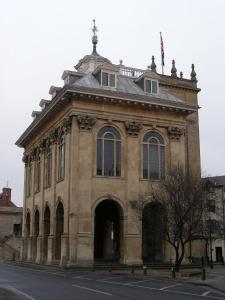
104, 138
10, 226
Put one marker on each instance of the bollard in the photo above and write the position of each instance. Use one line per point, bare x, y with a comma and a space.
145, 270
132, 269
203, 274
173, 273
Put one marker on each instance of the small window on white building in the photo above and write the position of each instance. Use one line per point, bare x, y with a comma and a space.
108, 79
151, 86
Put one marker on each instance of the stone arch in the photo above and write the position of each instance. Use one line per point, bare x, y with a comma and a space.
153, 232
59, 229
46, 221
108, 230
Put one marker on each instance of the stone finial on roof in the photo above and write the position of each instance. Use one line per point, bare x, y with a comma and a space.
193, 73
173, 70
153, 65
94, 38
181, 74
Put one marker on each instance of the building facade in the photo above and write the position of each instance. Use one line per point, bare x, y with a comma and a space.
10, 226
215, 219
99, 144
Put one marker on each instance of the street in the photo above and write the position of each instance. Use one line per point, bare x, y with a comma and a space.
43, 283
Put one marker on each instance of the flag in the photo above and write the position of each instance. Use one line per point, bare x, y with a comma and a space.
162, 50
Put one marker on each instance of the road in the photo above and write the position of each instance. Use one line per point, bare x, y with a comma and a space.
44, 283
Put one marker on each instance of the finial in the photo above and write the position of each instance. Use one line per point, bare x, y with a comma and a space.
173, 70
94, 37
181, 74
7, 183
121, 62
153, 65
193, 73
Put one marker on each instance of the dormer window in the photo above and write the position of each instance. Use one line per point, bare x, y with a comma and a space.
108, 79
151, 86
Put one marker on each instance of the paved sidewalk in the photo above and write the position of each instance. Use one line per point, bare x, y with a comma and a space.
215, 278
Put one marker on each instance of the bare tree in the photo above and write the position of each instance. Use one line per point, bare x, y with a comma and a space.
183, 200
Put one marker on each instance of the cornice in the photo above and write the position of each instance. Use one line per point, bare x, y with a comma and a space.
69, 92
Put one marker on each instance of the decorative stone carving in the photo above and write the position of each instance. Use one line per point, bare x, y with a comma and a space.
67, 124
53, 136
175, 132
86, 122
133, 128
42, 145
25, 158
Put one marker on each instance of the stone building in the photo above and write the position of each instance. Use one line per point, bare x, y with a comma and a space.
215, 219
10, 226
102, 140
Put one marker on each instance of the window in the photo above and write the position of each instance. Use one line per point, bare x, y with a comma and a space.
151, 86
212, 205
29, 179
153, 156
61, 158
48, 167
37, 173
109, 152
108, 79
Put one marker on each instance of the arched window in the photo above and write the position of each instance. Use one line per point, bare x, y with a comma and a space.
29, 179
61, 158
37, 173
153, 156
48, 167
108, 152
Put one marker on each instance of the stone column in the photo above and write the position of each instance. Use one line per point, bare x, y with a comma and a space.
23, 249
51, 246
39, 256
132, 234
85, 251
64, 249
29, 248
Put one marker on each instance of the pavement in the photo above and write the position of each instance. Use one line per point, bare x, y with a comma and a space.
44, 283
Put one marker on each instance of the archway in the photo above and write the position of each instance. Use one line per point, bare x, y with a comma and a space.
46, 232
108, 231
59, 230
36, 233
153, 232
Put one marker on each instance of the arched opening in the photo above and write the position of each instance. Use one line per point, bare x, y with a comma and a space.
153, 232
36, 233
108, 231
28, 225
59, 230
46, 232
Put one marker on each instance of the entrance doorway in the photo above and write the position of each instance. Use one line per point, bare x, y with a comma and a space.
108, 231
153, 223
59, 230
219, 255
46, 232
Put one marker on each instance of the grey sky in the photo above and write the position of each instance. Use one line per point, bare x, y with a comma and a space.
40, 39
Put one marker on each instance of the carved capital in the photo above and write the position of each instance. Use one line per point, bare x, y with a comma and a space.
86, 122
25, 158
53, 135
133, 128
67, 124
175, 133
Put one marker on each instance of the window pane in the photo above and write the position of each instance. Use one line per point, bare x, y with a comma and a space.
154, 87
99, 157
105, 79
148, 88
108, 158
118, 158
145, 161
154, 161
162, 163
154, 140
112, 80
109, 136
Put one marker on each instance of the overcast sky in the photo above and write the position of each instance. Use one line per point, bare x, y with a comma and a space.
40, 39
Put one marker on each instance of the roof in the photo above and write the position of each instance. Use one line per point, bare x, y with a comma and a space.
217, 180
125, 85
